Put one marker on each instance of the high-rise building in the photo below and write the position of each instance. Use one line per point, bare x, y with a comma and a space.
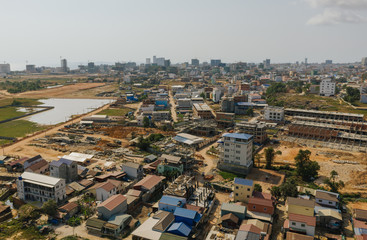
327, 87
328, 62
91, 67
237, 149
64, 65
30, 68
215, 62
154, 60
364, 61
266, 63
147, 61
195, 62
160, 61
167, 63
5, 68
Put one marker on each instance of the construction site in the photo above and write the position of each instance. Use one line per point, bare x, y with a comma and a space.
334, 130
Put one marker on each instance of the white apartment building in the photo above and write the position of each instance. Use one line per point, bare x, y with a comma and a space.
327, 88
274, 113
237, 149
5, 68
41, 188
216, 95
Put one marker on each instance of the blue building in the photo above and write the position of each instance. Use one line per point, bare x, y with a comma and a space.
187, 216
170, 203
180, 229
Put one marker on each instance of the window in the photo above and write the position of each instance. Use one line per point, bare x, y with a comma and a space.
293, 224
254, 207
238, 146
330, 203
248, 189
238, 152
248, 196
303, 225
226, 156
264, 208
236, 187
236, 194
227, 144
320, 200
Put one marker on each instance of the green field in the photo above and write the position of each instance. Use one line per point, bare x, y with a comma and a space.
115, 111
9, 112
18, 128
19, 101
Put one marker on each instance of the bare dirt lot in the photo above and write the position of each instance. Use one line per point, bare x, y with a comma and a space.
352, 166
67, 91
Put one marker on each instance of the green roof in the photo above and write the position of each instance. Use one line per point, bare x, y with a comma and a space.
95, 223
170, 236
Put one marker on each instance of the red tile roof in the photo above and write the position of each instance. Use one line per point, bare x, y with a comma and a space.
359, 224
250, 228
107, 186
310, 221
262, 195
69, 206
149, 181
260, 201
38, 165
113, 201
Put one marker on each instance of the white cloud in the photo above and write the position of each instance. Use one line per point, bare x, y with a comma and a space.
338, 11
336, 16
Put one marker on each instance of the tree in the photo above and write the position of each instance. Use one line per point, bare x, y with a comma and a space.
353, 94
258, 188
276, 192
332, 183
146, 122
203, 95
50, 207
27, 211
289, 189
306, 168
257, 158
250, 112
269, 157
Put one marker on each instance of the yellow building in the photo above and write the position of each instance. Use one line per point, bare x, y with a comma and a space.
243, 189
300, 206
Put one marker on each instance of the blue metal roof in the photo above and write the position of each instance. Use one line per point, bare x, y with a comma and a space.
243, 181
186, 213
238, 135
181, 228
170, 200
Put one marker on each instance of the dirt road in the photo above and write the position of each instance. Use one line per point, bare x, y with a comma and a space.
210, 160
173, 107
19, 148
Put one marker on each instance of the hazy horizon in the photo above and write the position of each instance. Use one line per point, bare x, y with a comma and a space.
40, 31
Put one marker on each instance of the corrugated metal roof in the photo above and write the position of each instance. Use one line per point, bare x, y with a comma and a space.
231, 207
238, 135
186, 213
181, 227
170, 200
40, 179
242, 181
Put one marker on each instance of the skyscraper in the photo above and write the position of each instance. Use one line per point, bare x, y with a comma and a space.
64, 65
364, 61
195, 62
154, 60
147, 61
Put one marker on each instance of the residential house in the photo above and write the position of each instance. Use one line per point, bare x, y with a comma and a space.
115, 204
38, 187
360, 223
243, 189
265, 228
300, 206
165, 220
116, 224
327, 199
187, 216
68, 210
229, 221
104, 191
297, 236
65, 169
133, 170
95, 226
180, 229
170, 203
330, 218
301, 224
170, 163
261, 205
238, 210
40, 167
29, 162
5, 212
149, 184
248, 232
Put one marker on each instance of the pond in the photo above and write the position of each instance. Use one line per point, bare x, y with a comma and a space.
65, 108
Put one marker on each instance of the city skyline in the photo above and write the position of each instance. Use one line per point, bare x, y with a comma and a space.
39, 32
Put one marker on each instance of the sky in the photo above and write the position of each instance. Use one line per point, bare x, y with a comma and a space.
41, 31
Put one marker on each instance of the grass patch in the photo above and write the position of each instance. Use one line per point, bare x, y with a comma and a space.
9, 112
18, 128
227, 175
21, 101
15, 227
115, 111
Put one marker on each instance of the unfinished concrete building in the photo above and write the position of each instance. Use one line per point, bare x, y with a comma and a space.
258, 130
183, 186
225, 120
324, 114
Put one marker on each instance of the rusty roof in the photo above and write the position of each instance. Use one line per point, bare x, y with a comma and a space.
310, 221
113, 201
149, 181
69, 206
